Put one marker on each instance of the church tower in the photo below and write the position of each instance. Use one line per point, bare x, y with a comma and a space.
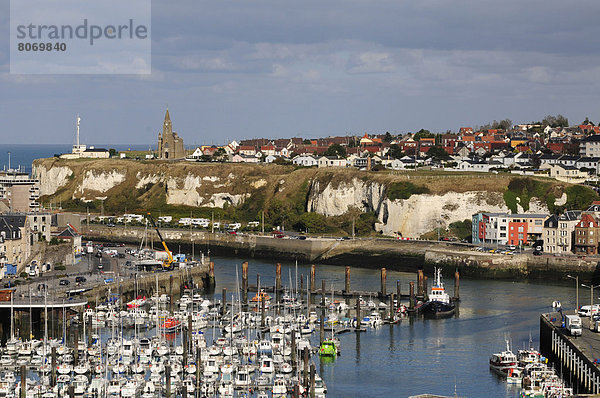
170, 145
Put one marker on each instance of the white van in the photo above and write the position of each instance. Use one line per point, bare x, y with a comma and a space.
586, 310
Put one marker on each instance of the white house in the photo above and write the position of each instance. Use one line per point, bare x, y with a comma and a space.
270, 158
332, 161
567, 173
305, 160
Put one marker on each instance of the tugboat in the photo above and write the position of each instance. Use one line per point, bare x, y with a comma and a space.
439, 304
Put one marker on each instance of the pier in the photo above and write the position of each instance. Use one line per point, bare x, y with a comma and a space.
575, 357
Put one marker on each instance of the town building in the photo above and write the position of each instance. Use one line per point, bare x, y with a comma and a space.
590, 146
331, 161
586, 235
18, 192
305, 160
507, 229
170, 145
559, 231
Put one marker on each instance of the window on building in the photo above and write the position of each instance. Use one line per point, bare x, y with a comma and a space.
520, 236
520, 229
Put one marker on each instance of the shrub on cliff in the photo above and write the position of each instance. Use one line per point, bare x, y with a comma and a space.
526, 188
404, 190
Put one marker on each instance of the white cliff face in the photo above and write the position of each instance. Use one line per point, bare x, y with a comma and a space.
101, 182
184, 192
219, 200
52, 180
337, 201
143, 180
411, 217
420, 214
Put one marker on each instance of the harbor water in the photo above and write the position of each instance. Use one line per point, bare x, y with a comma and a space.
423, 355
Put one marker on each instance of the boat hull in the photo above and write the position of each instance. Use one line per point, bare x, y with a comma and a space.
438, 309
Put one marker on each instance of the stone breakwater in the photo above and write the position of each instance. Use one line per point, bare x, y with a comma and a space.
369, 253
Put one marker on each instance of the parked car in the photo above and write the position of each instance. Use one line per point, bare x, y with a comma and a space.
537, 253
64, 282
80, 279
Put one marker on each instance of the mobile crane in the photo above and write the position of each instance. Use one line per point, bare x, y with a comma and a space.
168, 262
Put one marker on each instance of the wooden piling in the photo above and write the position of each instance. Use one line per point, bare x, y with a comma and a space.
262, 310
23, 381
277, 277
184, 393
168, 380
312, 278
211, 277
398, 293
456, 285
391, 307
411, 303
224, 302
347, 278
358, 318
294, 361
245, 282
53, 377
425, 287
420, 283
305, 367
383, 282
312, 380
76, 347
198, 369
71, 391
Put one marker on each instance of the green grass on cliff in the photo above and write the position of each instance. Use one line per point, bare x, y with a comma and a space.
522, 190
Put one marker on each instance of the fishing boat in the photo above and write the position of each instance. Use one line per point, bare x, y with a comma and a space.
328, 349
170, 324
439, 304
501, 362
137, 302
260, 297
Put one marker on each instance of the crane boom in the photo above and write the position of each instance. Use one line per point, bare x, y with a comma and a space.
167, 263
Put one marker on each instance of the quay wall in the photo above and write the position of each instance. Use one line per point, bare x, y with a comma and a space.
168, 282
368, 253
567, 354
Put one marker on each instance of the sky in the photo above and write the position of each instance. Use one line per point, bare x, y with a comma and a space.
236, 69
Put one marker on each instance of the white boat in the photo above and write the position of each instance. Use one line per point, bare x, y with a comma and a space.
501, 362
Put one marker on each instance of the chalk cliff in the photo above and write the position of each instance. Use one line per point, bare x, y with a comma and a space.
329, 192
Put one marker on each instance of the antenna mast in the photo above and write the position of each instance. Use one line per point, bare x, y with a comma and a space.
78, 120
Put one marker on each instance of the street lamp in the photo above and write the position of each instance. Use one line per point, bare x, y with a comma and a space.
576, 278
591, 300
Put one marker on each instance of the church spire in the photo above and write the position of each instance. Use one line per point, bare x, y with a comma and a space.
167, 116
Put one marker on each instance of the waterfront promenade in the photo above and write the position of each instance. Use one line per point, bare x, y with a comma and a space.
401, 255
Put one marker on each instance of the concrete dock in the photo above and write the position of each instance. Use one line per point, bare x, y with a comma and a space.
575, 358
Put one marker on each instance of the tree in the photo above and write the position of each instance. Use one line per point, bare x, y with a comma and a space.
306, 142
395, 152
336, 150
219, 154
112, 152
555, 121
496, 125
587, 122
422, 134
388, 137
438, 153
